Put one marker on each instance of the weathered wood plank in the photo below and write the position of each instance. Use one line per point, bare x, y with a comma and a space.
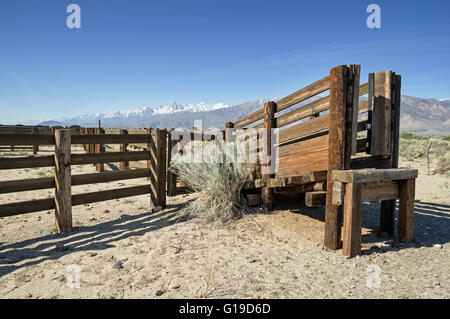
379, 191
315, 199
26, 207
352, 220
336, 152
123, 148
373, 175
270, 109
363, 89
26, 185
352, 107
109, 138
94, 178
380, 138
406, 210
316, 125
63, 189
310, 187
292, 99
26, 139
79, 159
303, 112
285, 181
100, 196
81, 179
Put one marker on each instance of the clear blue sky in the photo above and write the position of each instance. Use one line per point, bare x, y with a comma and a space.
131, 54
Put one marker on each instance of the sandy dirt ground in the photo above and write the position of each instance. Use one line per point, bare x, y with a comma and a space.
120, 249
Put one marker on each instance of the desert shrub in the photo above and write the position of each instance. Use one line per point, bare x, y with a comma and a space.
446, 138
411, 136
218, 183
442, 167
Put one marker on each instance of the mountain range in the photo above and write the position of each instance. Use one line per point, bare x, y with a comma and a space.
427, 116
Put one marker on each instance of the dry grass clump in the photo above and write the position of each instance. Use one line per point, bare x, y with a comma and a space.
218, 183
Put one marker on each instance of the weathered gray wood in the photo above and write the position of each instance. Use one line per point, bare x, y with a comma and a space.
373, 175
34, 130
109, 138
303, 112
352, 220
336, 152
387, 212
381, 115
100, 196
352, 100
270, 109
99, 148
292, 99
26, 139
406, 210
26, 185
338, 193
106, 177
286, 181
316, 125
27, 162
79, 159
63, 189
19, 208
123, 148
315, 199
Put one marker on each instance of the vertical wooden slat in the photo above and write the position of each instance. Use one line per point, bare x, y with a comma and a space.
123, 148
387, 211
63, 192
352, 220
336, 152
162, 167
381, 115
172, 177
353, 101
269, 124
99, 148
35, 146
157, 167
406, 210
228, 131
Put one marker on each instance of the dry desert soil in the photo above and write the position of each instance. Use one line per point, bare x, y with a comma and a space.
121, 249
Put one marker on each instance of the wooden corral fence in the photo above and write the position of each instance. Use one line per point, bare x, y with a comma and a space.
22, 129
337, 143
321, 136
63, 159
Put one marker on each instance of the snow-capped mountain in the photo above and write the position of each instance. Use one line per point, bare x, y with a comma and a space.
417, 114
167, 115
146, 113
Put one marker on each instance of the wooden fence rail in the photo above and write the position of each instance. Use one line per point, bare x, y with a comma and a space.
64, 180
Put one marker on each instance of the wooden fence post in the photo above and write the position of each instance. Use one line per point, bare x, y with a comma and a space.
157, 166
152, 166
228, 133
269, 124
171, 177
123, 148
387, 211
336, 152
35, 146
99, 148
406, 210
63, 191
162, 167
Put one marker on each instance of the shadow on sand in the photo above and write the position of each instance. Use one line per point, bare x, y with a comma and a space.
431, 223
91, 238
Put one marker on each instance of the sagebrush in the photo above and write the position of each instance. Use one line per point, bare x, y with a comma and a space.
202, 168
